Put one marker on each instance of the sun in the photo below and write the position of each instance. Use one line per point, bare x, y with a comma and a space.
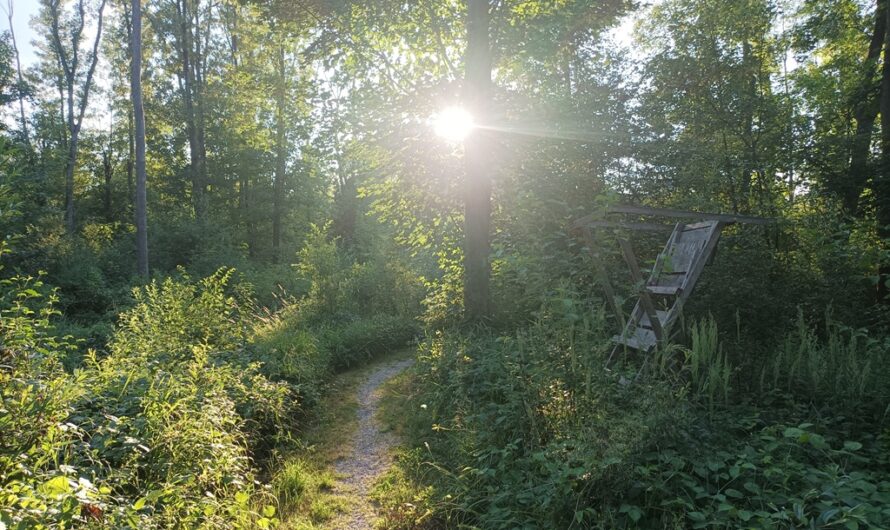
453, 123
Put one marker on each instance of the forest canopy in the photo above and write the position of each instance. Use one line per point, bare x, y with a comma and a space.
212, 209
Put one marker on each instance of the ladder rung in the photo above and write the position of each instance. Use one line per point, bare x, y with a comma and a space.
642, 344
644, 319
663, 290
696, 226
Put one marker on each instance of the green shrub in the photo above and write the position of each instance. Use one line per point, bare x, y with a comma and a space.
158, 433
358, 341
519, 430
290, 351
528, 430
759, 475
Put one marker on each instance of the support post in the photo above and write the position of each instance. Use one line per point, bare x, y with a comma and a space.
645, 299
603, 278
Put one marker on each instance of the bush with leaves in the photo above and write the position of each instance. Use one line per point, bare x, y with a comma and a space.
357, 310
527, 430
160, 433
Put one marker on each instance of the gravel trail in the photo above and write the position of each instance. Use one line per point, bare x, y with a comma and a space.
371, 453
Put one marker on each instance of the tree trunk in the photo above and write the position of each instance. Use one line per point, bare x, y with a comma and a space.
865, 112
477, 187
18, 69
108, 173
748, 165
131, 147
188, 78
198, 67
139, 141
881, 185
70, 160
70, 74
278, 187
131, 151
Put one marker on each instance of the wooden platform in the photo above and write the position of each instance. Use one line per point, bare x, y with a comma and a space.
673, 278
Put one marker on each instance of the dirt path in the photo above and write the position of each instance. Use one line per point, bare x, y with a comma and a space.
371, 452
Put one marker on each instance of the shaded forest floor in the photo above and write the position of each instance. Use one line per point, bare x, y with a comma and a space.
329, 482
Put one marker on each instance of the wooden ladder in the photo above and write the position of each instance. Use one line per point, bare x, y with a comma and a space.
676, 271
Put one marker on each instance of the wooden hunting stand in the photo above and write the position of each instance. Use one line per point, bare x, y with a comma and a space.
674, 276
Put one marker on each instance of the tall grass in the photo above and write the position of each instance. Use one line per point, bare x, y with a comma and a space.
708, 367
847, 366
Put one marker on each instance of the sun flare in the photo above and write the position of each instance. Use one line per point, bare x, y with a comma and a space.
453, 123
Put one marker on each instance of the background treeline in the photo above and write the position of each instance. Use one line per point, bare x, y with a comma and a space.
289, 141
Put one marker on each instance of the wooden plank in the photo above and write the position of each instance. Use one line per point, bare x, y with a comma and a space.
663, 290
699, 264
684, 214
695, 271
637, 278
662, 318
641, 339
697, 226
670, 213
659, 261
649, 227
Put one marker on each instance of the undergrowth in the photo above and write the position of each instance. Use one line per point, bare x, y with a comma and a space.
528, 430
178, 420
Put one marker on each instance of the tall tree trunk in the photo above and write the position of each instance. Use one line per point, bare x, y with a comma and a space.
131, 150
69, 67
18, 68
139, 140
865, 112
881, 186
748, 165
131, 147
63, 127
477, 188
198, 67
278, 187
248, 217
188, 78
70, 162
108, 173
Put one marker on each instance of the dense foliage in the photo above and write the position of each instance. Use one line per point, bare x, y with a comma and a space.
528, 431
303, 218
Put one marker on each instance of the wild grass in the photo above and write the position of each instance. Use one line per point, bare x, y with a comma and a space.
527, 430
846, 366
707, 365
303, 479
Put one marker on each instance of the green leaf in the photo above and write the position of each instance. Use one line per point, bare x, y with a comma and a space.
852, 446
752, 487
696, 516
730, 492
139, 504
632, 511
745, 515
817, 441
793, 432
242, 497
56, 486
269, 511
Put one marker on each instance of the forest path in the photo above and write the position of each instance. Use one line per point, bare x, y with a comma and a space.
370, 452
